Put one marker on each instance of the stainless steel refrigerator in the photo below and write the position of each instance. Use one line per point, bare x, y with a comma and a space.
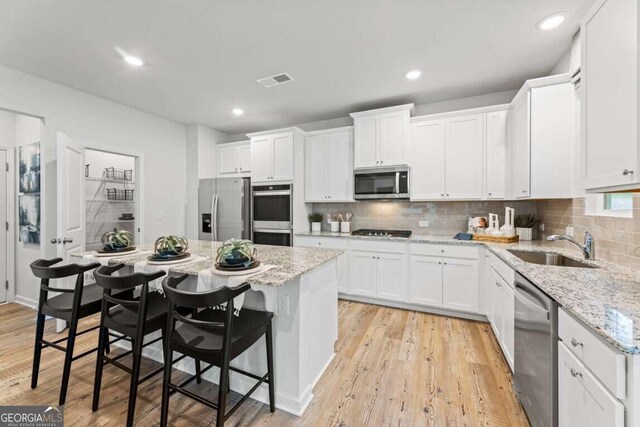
224, 209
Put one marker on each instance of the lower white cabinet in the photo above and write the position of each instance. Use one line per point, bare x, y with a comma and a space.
330, 243
444, 282
501, 313
378, 274
582, 400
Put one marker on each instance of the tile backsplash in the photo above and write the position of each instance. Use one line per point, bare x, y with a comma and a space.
616, 239
445, 218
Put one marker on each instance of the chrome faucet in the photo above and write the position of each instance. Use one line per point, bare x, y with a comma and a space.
588, 249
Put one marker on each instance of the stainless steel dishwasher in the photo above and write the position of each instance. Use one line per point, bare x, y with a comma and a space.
536, 353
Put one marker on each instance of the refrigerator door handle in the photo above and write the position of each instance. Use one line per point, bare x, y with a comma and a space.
214, 218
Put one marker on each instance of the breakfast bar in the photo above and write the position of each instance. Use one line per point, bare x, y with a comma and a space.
299, 285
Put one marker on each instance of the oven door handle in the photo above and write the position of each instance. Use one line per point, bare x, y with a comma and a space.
272, 193
271, 230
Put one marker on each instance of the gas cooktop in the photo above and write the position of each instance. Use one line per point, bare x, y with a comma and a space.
381, 233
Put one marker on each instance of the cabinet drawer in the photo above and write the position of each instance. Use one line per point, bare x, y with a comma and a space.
378, 246
605, 362
449, 251
507, 273
322, 242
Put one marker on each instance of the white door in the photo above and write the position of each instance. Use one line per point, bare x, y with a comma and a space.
508, 322
464, 148
610, 74
425, 282
427, 159
582, 400
460, 284
316, 169
4, 215
521, 149
228, 160
283, 157
366, 134
393, 138
392, 276
339, 161
71, 197
261, 159
496, 154
244, 158
362, 273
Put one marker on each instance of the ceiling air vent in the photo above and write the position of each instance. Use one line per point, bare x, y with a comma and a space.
278, 79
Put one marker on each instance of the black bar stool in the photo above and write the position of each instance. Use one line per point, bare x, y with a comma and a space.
133, 318
216, 337
71, 305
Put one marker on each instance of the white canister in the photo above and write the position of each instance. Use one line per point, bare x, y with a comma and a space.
345, 227
335, 226
316, 227
524, 233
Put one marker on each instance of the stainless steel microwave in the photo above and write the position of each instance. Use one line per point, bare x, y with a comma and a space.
381, 183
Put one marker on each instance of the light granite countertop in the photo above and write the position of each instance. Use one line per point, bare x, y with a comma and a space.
290, 262
607, 298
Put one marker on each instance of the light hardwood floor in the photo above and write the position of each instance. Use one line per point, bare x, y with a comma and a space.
392, 367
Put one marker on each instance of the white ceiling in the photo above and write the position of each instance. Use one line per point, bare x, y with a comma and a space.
203, 56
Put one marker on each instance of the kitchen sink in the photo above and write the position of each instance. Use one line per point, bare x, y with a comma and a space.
549, 258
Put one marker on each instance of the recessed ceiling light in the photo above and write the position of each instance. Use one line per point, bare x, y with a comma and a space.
551, 21
413, 74
133, 60
237, 112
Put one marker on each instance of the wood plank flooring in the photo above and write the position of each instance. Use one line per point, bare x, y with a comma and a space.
392, 367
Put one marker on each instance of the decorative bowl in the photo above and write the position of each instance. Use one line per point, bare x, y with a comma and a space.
171, 245
115, 240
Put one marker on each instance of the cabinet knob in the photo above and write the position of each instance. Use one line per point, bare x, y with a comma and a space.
439, 262
445, 263
576, 343
442, 250
627, 172
524, 191
490, 194
447, 194
442, 194
575, 373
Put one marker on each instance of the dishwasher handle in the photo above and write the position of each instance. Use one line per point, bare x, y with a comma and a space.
524, 296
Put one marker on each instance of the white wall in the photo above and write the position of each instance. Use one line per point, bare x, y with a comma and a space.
97, 122
562, 66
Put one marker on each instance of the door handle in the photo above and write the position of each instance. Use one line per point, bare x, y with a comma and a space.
575, 373
56, 240
67, 240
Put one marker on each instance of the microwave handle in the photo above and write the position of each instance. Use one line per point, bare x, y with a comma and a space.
397, 187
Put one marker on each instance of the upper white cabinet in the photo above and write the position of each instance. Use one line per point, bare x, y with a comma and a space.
544, 140
610, 105
381, 136
234, 159
447, 158
272, 155
329, 166
496, 155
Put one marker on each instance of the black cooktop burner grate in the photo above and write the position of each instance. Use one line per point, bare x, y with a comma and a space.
381, 233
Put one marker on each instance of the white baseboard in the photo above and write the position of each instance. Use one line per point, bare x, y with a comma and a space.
26, 301
414, 307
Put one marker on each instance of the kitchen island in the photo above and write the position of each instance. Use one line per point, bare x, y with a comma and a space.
301, 290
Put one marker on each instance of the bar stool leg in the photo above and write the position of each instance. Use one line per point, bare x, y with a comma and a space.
135, 374
269, 338
37, 349
97, 383
168, 356
222, 390
68, 358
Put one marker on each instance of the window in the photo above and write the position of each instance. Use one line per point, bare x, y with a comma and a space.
619, 205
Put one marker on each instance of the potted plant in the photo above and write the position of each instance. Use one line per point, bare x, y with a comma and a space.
236, 251
116, 240
316, 221
524, 226
171, 245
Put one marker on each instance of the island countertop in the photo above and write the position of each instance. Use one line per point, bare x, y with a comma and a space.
290, 262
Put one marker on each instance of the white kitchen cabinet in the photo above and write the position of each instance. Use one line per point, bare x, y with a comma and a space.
582, 400
508, 322
425, 282
464, 151
544, 140
272, 157
329, 166
338, 243
427, 160
609, 75
460, 284
501, 312
234, 159
521, 186
381, 136
363, 273
496, 155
